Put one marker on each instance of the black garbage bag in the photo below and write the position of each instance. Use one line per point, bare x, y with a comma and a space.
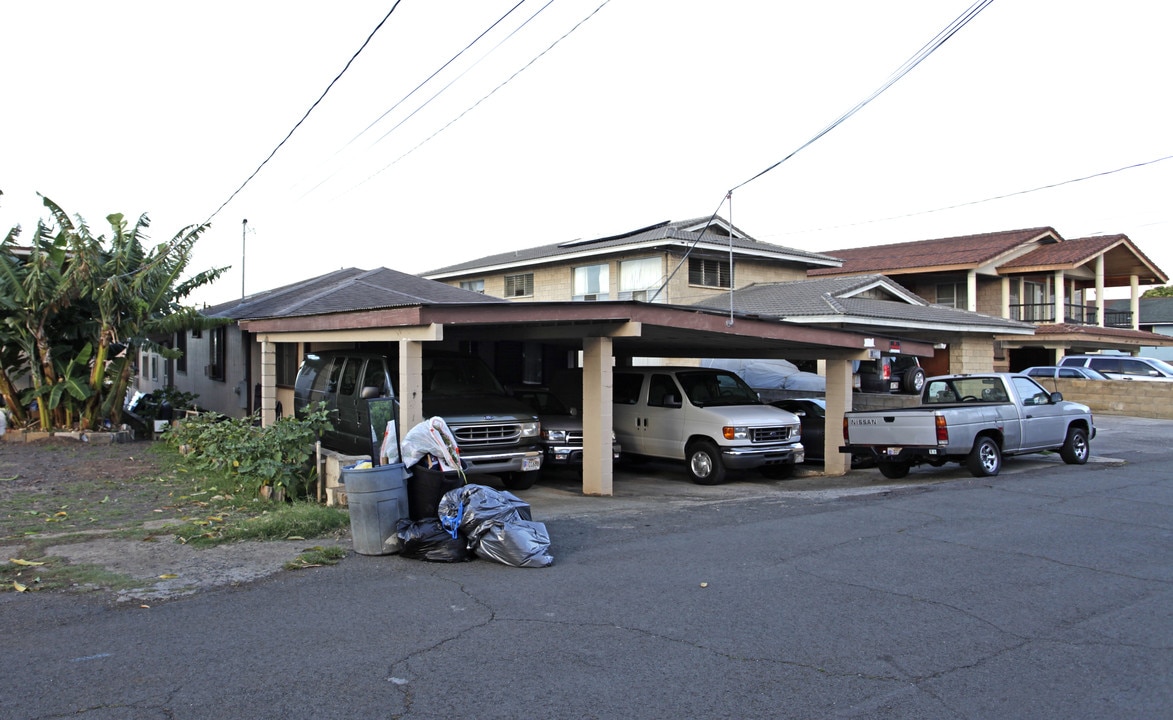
469, 509
428, 540
520, 543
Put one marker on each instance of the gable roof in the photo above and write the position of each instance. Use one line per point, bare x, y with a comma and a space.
681, 235
346, 290
852, 301
953, 253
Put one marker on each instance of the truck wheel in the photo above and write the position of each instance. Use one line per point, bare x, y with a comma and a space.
520, 480
914, 381
704, 464
985, 460
894, 470
1075, 448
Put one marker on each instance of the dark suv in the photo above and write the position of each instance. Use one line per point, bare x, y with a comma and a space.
891, 373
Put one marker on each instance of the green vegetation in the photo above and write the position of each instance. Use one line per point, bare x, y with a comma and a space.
75, 309
1162, 291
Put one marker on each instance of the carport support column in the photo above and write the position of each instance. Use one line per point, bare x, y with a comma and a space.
411, 385
838, 399
268, 383
596, 416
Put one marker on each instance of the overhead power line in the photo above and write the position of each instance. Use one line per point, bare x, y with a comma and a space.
929, 48
307, 112
990, 199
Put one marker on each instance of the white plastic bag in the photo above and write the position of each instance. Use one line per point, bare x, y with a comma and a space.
432, 437
389, 450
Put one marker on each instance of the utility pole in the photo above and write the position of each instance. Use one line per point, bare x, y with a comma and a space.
243, 232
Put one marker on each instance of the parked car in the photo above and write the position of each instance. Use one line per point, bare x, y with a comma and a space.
1071, 371
497, 434
1123, 367
561, 427
891, 373
812, 414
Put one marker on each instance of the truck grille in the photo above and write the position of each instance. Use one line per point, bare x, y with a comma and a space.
480, 435
770, 434
574, 437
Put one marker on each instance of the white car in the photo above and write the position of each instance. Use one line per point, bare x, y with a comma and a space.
1123, 367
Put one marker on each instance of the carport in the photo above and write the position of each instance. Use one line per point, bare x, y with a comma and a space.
606, 333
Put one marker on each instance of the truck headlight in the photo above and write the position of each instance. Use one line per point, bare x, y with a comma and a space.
735, 432
554, 436
531, 429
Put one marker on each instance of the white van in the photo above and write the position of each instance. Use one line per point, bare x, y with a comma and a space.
708, 417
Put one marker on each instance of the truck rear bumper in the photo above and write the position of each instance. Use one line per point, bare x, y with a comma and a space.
894, 454
743, 458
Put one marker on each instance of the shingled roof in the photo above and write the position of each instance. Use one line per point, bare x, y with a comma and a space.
680, 235
963, 251
346, 290
857, 300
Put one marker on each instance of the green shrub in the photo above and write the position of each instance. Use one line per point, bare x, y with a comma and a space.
278, 456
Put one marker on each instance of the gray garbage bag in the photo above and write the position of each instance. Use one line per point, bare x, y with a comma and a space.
520, 543
469, 509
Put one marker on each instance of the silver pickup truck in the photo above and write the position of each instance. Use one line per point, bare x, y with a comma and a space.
974, 420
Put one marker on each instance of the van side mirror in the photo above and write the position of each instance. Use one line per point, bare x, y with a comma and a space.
672, 400
369, 392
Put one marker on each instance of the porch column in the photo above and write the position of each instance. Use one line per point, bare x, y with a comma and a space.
411, 385
971, 291
1060, 297
838, 399
1134, 300
268, 383
1100, 290
1006, 296
597, 424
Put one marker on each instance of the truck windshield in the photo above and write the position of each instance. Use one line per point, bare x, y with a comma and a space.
706, 388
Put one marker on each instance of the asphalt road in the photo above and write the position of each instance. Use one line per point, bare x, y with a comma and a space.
1046, 592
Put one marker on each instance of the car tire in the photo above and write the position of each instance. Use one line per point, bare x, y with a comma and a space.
894, 470
985, 459
914, 380
1075, 450
520, 480
705, 464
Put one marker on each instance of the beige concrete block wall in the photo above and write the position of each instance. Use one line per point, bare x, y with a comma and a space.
971, 355
989, 299
1118, 397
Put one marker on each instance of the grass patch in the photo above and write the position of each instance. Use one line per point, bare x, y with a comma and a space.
317, 556
57, 574
278, 521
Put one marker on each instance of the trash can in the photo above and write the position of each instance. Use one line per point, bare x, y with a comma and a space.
425, 487
377, 499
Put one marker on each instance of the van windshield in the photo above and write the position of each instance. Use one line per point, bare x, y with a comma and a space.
706, 388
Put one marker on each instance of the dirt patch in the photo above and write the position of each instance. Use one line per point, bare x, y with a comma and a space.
111, 508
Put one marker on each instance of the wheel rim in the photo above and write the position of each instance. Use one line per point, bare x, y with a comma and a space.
989, 457
1080, 446
702, 465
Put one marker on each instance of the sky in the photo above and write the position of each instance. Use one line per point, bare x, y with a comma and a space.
576, 119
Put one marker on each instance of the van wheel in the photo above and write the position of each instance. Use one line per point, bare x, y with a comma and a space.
1075, 448
704, 464
520, 480
894, 470
985, 460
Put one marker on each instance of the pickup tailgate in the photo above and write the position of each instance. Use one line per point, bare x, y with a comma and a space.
895, 427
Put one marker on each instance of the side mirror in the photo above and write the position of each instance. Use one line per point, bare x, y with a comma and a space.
369, 392
672, 401
1056, 398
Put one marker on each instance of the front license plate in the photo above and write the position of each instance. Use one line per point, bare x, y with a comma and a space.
531, 463
892, 451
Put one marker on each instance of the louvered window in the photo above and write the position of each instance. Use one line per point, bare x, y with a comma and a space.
519, 285
709, 273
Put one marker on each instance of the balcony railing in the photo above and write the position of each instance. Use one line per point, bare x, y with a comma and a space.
1073, 313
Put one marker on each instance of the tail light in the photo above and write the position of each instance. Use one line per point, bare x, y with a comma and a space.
887, 370
942, 431
846, 441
